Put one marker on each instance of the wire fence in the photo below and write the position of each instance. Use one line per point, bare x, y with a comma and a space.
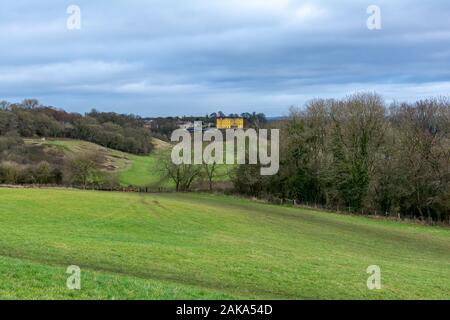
356, 211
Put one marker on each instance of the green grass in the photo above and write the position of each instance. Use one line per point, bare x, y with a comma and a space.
159, 246
142, 172
22, 279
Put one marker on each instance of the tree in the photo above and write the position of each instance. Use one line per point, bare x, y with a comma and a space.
358, 133
210, 170
30, 103
4, 105
183, 175
423, 165
10, 172
44, 173
248, 180
8, 122
82, 168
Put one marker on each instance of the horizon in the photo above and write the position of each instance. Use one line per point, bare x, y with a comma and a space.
180, 115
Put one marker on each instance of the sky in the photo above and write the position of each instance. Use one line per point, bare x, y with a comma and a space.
192, 57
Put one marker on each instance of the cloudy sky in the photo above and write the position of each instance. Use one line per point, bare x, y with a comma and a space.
175, 57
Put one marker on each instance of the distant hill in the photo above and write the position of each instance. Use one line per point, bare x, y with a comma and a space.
279, 118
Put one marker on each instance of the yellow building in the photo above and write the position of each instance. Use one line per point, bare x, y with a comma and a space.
230, 123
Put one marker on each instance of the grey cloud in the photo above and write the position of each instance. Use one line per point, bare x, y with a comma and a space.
162, 57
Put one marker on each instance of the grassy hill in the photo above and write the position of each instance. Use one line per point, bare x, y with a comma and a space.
162, 246
131, 169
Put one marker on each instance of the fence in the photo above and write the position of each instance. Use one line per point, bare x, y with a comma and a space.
93, 188
353, 211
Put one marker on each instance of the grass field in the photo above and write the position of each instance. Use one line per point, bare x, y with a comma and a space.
161, 246
142, 172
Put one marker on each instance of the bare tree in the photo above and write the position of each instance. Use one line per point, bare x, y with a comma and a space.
82, 168
210, 170
4, 105
30, 103
183, 175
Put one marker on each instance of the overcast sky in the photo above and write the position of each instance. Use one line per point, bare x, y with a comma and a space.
167, 57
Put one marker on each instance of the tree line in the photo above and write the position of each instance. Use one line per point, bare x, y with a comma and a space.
31, 119
357, 154
162, 127
362, 154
